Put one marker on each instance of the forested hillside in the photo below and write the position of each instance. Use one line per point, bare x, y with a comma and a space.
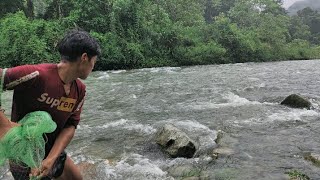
145, 33
299, 5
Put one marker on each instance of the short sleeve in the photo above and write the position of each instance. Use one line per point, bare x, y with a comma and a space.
74, 119
20, 77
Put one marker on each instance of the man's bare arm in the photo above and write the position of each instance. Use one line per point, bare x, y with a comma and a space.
60, 144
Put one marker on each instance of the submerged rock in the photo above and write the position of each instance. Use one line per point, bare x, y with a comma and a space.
88, 170
222, 152
181, 170
175, 142
188, 172
296, 101
219, 136
313, 157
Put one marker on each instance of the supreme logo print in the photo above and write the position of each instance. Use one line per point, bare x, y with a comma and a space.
62, 104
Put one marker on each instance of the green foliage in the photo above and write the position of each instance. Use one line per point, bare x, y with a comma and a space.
210, 53
314, 52
10, 6
144, 33
299, 5
311, 19
90, 15
299, 30
299, 49
184, 12
25, 41
56, 9
241, 45
111, 57
195, 47
213, 8
294, 174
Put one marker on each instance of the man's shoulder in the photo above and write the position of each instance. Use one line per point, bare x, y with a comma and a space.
45, 66
34, 67
80, 84
26, 75
44, 70
81, 87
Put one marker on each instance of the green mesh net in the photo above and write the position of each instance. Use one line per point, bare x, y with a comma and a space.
25, 143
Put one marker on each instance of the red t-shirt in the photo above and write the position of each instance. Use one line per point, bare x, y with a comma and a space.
39, 88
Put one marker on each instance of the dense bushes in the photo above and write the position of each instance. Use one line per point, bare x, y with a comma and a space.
24, 41
144, 33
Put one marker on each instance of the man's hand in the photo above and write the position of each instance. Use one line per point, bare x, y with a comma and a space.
35, 172
60, 144
46, 167
44, 170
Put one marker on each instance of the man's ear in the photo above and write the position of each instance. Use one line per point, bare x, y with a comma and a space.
84, 57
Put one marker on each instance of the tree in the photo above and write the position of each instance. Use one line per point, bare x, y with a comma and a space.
57, 9
298, 29
214, 7
241, 45
25, 41
29, 9
184, 12
10, 6
311, 18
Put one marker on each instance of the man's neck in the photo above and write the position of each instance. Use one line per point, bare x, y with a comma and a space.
67, 71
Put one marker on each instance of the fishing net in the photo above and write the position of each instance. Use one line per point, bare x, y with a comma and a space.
25, 144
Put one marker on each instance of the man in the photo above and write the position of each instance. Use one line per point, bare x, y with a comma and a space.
56, 89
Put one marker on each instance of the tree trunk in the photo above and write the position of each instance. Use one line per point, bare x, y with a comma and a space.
29, 10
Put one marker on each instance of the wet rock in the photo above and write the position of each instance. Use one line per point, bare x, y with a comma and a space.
225, 143
296, 175
314, 158
205, 145
296, 101
226, 173
175, 142
181, 170
88, 170
197, 178
187, 172
222, 152
191, 178
219, 136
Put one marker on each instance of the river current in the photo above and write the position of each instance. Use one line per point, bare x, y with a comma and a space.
124, 109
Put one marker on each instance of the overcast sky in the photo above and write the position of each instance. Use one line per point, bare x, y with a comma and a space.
287, 3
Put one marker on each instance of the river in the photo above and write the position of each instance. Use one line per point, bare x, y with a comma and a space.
124, 109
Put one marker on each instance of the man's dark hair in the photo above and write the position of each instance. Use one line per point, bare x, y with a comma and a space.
77, 42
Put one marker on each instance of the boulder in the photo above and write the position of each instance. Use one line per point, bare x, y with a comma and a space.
296, 101
175, 142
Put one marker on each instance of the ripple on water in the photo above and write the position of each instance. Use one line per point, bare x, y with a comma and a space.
132, 166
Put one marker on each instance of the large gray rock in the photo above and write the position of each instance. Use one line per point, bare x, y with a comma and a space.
296, 101
175, 142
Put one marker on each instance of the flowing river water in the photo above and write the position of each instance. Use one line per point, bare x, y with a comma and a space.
124, 109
